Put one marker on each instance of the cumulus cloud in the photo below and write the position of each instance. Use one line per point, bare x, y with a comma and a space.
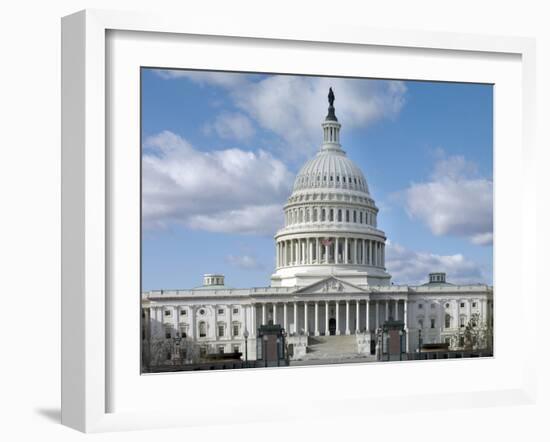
233, 126
246, 262
454, 201
293, 107
229, 190
411, 267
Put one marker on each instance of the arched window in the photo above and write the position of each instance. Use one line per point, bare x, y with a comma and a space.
202, 329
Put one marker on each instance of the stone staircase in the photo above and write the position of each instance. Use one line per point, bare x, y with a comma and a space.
334, 349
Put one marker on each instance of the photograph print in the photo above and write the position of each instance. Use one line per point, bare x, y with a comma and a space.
293, 220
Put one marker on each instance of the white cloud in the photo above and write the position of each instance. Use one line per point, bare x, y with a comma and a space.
224, 79
246, 262
455, 201
228, 190
411, 267
293, 107
233, 126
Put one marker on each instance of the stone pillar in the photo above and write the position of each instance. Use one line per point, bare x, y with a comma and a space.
263, 313
347, 318
318, 252
316, 318
346, 251
386, 316
336, 251
310, 254
406, 321
215, 322
367, 315
363, 257
296, 317
192, 325
306, 325
383, 263
377, 304
274, 313
396, 310
299, 251
326, 319
285, 318
337, 318
371, 262
357, 316
253, 323
230, 322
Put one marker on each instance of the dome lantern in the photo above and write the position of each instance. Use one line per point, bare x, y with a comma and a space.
331, 127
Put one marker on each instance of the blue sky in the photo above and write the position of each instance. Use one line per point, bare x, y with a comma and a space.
220, 152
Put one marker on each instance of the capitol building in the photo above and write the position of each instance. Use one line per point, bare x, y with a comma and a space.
330, 292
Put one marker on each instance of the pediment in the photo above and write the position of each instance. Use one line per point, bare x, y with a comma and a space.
330, 285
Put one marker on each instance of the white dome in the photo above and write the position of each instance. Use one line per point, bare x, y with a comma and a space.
331, 169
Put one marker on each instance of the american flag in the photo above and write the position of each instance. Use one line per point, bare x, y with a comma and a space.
326, 242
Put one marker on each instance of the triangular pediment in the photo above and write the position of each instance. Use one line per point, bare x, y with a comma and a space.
330, 285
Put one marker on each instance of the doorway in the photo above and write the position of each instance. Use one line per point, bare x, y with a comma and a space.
332, 326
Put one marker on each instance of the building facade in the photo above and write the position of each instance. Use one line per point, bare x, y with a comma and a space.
330, 281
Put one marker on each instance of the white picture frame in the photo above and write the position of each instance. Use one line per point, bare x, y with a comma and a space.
87, 313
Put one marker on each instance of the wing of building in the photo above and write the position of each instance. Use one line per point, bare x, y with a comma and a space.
330, 291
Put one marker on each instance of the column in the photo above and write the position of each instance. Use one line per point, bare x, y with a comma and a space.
405, 320
347, 318
253, 321
346, 251
326, 319
296, 317
387, 315
363, 258
192, 325
337, 318
285, 322
263, 314
215, 322
371, 262
383, 263
377, 304
230, 322
396, 315
298, 251
316, 318
306, 327
336, 251
274, 313
356, 316
367, 315
310, 255
318, 252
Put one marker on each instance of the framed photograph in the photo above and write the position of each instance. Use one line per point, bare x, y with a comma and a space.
252, 215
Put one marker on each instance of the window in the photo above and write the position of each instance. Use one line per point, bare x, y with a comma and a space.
236, 349
461, 341
203, 351
201, 311
447, 321
354, 216
167, 334
474, 304
447, 305
183, 312
339, 215
221, 349
235, 330
347, 216
331, 215
220, 311
462, 322
432, 323
235, 311
202, 329
361, 217
221, 330
461, 305
419, 306
167, 312
168, 355
421, 323
432, 306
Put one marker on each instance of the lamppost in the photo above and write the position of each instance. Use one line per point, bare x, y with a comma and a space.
245, 335
400, 344
278, 351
